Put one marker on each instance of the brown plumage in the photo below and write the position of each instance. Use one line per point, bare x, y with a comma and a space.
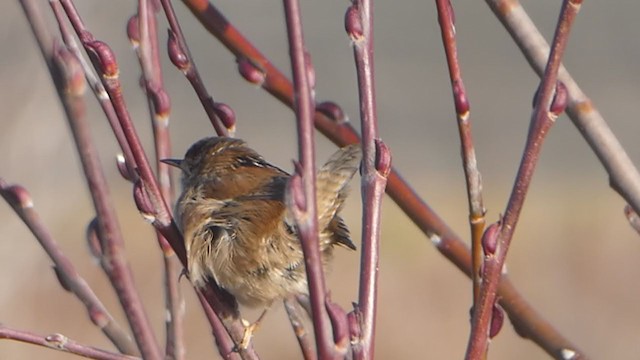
236, 227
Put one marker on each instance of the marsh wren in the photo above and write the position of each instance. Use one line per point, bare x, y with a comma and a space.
237, 228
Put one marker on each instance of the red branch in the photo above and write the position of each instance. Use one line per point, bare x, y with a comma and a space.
376, 165
473, 178
301, 189
543, 117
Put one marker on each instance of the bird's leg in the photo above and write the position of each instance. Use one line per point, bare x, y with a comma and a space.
251, 328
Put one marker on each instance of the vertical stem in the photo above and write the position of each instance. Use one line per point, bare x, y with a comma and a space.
113, 257
624, 177
181, 57
376, 165
159, 109
297, 322
306, 208
20, 200
543, 117
470, 165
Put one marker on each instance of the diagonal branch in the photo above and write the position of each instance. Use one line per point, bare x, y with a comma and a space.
143, 33
623, 175
20, 200
68, 76
220, 115
61, 343
146, 190
496, 243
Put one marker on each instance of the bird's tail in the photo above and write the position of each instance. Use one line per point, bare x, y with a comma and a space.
333, 182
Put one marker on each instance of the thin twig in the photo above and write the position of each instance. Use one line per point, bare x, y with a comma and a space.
472, 174
623, 174
20, 200
104, 62
633, 218
145, 40
226, 346
146, 190
112, 256
376, 164
96, 86
68, 76
302, 187
542, 118
179, 53
61, 343
297, 323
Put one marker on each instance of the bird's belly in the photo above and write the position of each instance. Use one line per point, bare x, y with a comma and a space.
261, 287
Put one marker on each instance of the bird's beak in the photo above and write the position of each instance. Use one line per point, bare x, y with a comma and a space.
173, 162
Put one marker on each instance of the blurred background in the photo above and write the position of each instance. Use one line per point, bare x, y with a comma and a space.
574, 257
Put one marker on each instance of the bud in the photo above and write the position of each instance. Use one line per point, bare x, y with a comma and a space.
332, 111
176, 54
226, 115
490, 239
133, 31
383, 158
353, 23
250, 72
497, 320
103, 58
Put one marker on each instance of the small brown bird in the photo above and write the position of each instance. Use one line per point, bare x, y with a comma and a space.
237, 228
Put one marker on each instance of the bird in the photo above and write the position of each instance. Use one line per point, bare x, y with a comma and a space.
237, 228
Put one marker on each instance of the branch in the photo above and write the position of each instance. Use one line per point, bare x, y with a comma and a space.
68, 76
20, 201
473, 178
61, 343
143, 34
147, 193
376, 164
633, 218
98, 90
220, 115
297, 323
301, 189
623, 175
496, 242
226, 346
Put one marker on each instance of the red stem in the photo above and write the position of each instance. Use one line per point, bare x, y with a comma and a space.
297, 323
306, 212
375, 169
66, 72
147, 192
472, 174
61, 343
191, 71
624, 177
541, 121
20, 200
226, 346
159, 108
